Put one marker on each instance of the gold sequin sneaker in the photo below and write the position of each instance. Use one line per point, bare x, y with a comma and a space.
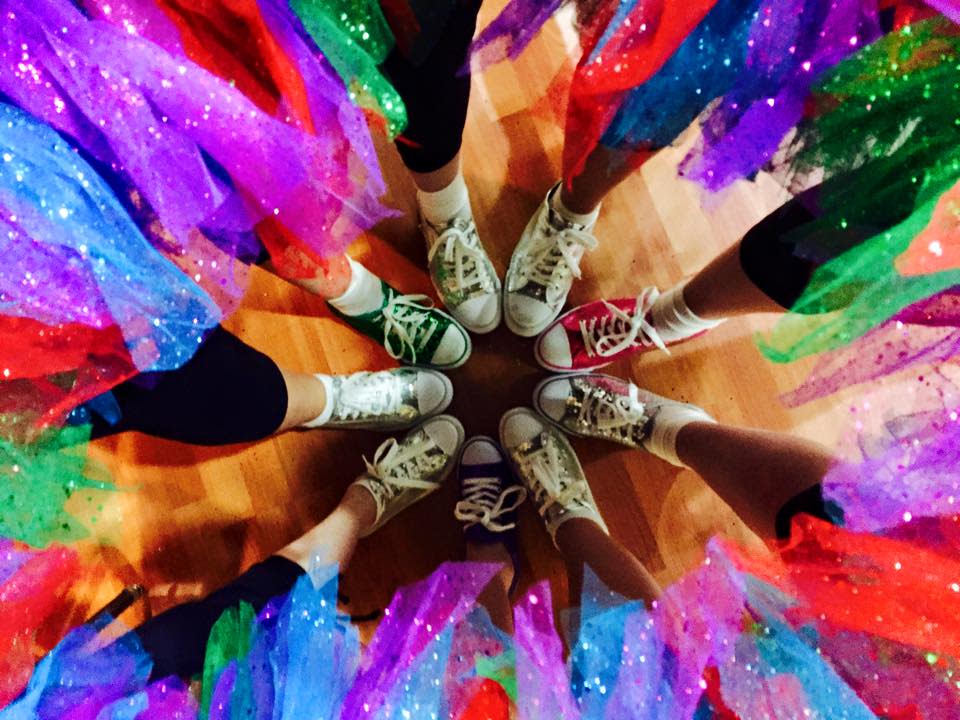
542, 269
602, 406
462, 273
548, 467
406, 471
387, 400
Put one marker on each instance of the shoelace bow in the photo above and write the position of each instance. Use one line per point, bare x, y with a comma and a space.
619, 415
619, 330
395, 465
485, 504
545, 467
460, 249
379, 393
556, 253
407, 320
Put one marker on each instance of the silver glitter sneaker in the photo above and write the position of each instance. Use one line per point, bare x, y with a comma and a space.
542, 269
602, 406
462, 273
548, 467
406, 471
387, 400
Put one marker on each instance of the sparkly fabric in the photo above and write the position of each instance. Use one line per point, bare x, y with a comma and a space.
200, 153
72, 256
36, 481
355, 38
888, 139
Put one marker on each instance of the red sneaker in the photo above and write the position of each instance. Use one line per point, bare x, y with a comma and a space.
598, 333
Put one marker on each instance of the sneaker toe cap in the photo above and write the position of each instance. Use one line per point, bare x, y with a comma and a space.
446, 432
554, 347
519, 426
453, 348
481, 451
479, 313
434, 392
527, 313
552, 397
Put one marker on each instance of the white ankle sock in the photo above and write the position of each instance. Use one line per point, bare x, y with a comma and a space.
556, 202
670, 419
324, 417
363, 295
674, 320
438, 208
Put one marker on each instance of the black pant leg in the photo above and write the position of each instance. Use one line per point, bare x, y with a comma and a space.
176, 640
226, 393
435, 92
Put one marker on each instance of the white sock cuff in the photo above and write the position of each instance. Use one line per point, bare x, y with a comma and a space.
674, 320
668, 423
324, 417
440, 206
362, 295
580, 219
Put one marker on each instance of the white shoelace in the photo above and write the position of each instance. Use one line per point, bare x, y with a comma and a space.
620, 415
619, 330
553, 259
370, 393
460, 249
397, 466
547, 470
406, 319
485, 504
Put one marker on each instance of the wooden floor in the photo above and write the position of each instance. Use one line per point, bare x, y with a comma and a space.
189, 519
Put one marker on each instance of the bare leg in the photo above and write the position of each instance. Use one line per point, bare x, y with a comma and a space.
306, 399
331, 279
604, 170
495, 596
723, 290
755, 471
334, 540
583, 543
438, 179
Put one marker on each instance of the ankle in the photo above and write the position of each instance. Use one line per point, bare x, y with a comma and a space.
675, 320
441, 206
573, 208
364, 294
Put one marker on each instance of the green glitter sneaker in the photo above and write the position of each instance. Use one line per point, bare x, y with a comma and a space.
462, 273
412, 331
406, 471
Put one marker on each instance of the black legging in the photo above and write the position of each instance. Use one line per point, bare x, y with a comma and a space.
227, 393
434, 90
176, 640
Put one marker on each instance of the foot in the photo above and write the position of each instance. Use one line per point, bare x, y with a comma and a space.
602, 406
412, 331
598, 333
406, 471
542, 269
388, 400
489, 498
546, 464
462, 273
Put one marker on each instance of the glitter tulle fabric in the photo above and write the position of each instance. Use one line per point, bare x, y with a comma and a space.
199, 151
887, 141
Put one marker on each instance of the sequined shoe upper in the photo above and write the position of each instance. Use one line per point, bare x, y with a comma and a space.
462, 273
405, 471
383, 400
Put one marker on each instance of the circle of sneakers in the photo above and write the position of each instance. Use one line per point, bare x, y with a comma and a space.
533, 458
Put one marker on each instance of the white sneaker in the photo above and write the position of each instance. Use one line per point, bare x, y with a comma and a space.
548, 467
542, 269
386, 400
462, 273
406, 471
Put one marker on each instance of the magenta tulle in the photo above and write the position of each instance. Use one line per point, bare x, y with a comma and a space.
416, 616
791, 44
